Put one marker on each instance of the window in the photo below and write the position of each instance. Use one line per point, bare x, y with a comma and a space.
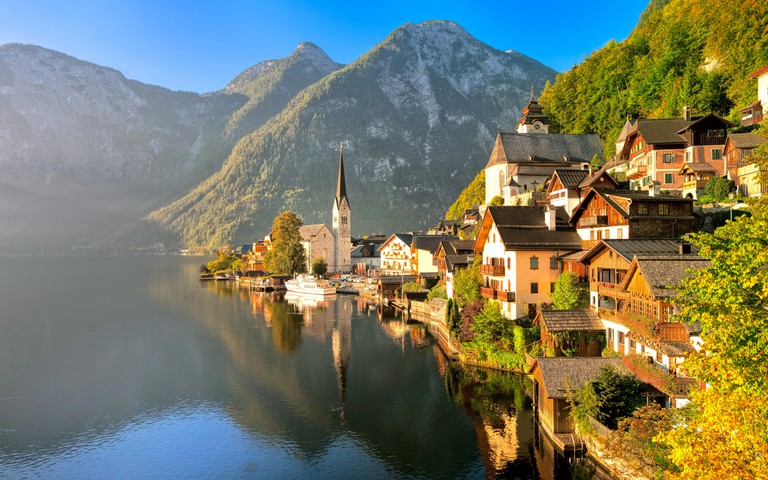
553, 263
632, 344
663, 209
669, 157
687, 157
552, 287
534, 263
717, 154
642, 209
621, 337
715, 132
509, 262
669, 178
619, 233
534, 287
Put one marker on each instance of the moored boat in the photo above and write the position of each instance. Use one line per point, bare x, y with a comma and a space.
309, 285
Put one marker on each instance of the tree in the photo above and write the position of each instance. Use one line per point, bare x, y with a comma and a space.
438, 291
718, 188
287, 255
490, 326
608, 398
596, 163
319, 266
724, 433
497, 200
569, 293
466, 283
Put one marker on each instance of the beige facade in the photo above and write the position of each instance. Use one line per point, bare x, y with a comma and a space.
318, 242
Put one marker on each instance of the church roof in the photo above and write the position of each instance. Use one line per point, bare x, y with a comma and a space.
341, 182
533, 112
307, 232
545, 148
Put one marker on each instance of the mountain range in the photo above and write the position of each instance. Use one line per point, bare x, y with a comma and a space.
92, 161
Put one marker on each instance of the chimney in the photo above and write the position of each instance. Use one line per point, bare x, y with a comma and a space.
687, 113
685, 248
654, 190
550, 217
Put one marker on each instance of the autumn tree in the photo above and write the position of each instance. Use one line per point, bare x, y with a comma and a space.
724, 432
569, 293
287, 255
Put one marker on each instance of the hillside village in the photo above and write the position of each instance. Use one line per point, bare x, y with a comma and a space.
554, 205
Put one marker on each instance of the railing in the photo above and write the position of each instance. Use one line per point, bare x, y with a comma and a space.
492, 270
505, 296
695, 184
752, 119
637, 171
612, 290
487, 292
596, 221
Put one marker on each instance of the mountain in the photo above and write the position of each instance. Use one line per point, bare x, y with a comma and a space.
682, 52
86, 154
417, 115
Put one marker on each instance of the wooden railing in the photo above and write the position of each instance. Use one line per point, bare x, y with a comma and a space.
612, 290
505, 296
487, 292
492, 270
637, 171
596, 221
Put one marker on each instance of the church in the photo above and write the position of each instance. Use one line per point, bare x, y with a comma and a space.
525, 159
335, 244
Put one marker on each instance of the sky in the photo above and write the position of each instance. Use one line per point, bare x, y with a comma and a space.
200, 46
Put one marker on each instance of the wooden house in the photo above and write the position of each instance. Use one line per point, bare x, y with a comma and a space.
695, 178
453, 255
753, 113
554, 378
520, 248
618, 214
573, 333
740, 168
566, 188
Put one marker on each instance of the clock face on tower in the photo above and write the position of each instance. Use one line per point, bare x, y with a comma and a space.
537, 126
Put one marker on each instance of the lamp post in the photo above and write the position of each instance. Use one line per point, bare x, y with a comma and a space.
730, 205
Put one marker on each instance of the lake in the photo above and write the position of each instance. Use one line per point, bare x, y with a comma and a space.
130, 367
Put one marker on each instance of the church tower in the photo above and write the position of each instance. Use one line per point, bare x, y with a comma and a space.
534, 120
342, 228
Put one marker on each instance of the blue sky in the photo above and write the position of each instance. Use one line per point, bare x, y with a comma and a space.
200, 46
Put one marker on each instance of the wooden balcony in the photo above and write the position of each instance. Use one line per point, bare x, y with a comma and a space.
695, 184
487, 292
596, 221
673, 332
505, 296
492, 270
637, 171
612, 290
751, 120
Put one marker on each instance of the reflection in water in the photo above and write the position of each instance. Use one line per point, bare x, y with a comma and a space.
132, 368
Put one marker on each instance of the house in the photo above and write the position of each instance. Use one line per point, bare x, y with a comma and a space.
366, 257
695, 178
655, 149
396, 254
520, 248
739, 168
523, 160
753, 114
572, 333
554, 378
453, 255
445, 227
616, 214
608, 261
423, 250
566, 188
318, 242
254, 255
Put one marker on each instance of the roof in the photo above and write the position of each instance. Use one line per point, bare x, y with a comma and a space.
522, 216
539, 239
664, 272
341, 182
585, 320
309, 231
625, 130
571, 178
558, 148
598, 177
660, 130
453, 261
758, 72
610, 195
676, 349
746, 140
698, 168
406, 238
524, 228
430, 242
630, 247
698, 120
561, 375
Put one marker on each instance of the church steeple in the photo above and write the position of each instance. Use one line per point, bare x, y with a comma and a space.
341, 183
342, 219
533, 120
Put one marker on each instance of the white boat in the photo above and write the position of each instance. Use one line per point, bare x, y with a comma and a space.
308, 285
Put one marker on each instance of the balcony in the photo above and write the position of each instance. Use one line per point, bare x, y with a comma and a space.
637, 171
487, 292
752, 119
596, 221
503, 296
612, 290
492, 270
695, 184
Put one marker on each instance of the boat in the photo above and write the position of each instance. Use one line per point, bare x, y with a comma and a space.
309, 285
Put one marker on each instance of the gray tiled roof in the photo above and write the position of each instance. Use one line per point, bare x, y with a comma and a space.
628, 248
539, 238
746, 140
663, 272
660, 130
571, 178
430, 242
561, 375
550, 148
585, 320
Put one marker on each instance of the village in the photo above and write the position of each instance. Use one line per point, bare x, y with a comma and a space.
555, 208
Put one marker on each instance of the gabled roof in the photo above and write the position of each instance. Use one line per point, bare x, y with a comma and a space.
698, 120
545, 148
430, 242
561, 375
524, 217
453, 261
628, 248
697, 167
406, 238
524, 228
570, 178
307, 232
657, 131
610, 196
600, 177
745, 140
663, 273
585, 320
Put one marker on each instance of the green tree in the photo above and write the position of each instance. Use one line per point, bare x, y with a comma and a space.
223, 263
569, 293
596, 163
718, 188
497, 200
490, 326
319, 266
466, 283
438, 291
473, 195
287, 255
608, 398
